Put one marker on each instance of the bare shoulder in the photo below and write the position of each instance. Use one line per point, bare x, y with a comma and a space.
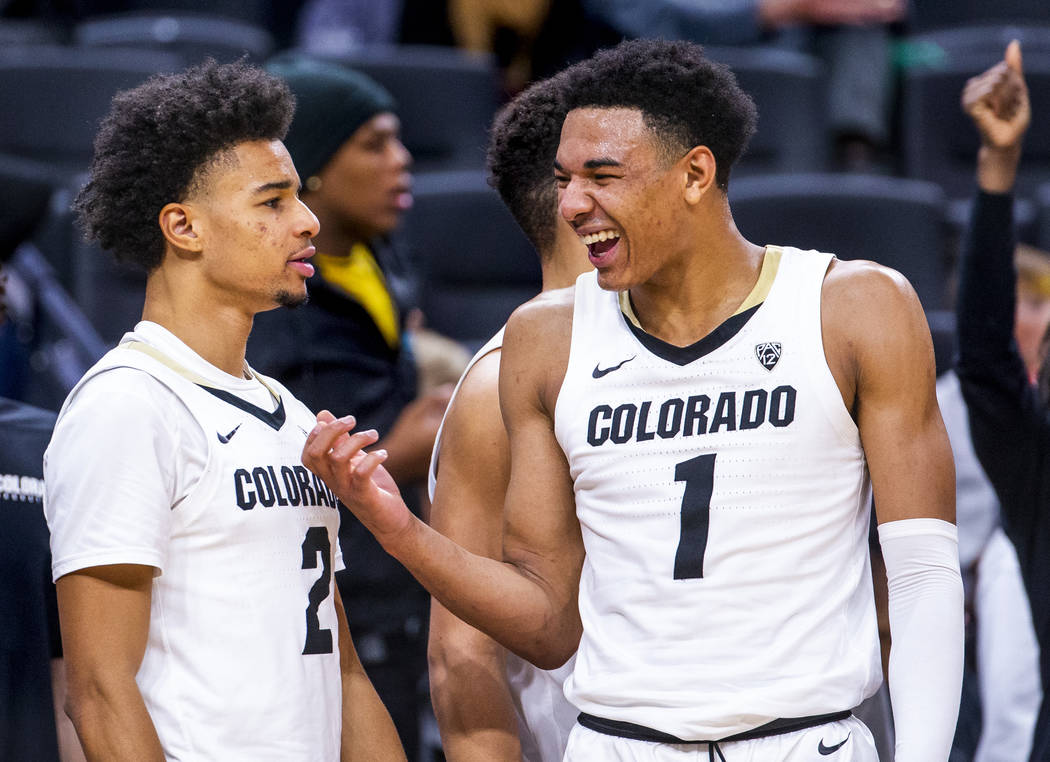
871, 319
473, 463
475, 408
864, 303
547, 315
861, 288
536, 347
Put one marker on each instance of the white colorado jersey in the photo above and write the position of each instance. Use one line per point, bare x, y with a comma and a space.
161, 459
724, 502
545, 717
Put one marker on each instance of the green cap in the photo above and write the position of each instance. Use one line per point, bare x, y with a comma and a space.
331, 103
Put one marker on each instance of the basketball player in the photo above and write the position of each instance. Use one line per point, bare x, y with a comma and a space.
491, 705
691, 435
193, 555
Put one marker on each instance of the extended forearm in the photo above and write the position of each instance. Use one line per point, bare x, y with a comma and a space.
476, 589
468, 687
112, 721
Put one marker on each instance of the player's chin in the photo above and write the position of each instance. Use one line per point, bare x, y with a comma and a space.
291, 298
614, 279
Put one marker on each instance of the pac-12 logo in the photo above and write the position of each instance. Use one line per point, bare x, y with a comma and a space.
768, 353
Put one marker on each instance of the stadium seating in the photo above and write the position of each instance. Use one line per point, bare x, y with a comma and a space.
1042, 238
893, 221
789, 89
25, 187
924, 15
194, 37
60, 95
446, 100
939, 141
18, 32
474, 261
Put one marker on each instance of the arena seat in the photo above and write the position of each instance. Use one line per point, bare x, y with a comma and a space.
942, 330
25, 188
60, 95
194, 37
17, 32
939, 139
1042, 238
109, 294
475, 263
925, 15
446, 100
896, 222
789, 89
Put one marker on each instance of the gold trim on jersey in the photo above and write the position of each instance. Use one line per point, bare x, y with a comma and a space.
189, 375
768, 273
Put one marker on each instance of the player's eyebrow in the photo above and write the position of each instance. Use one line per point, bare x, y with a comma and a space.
269, 187
592, 164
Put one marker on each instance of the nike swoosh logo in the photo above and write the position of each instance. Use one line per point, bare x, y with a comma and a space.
826, 750
228, 437
599, 372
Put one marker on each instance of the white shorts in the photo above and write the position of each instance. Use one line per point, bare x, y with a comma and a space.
847, 740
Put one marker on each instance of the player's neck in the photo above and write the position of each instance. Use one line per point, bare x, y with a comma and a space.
687, 300
215, 331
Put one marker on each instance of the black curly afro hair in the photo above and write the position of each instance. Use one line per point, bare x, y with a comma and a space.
159, 138
686, 99
522, 145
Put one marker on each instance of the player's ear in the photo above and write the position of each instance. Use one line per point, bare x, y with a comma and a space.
181, 226
699, 165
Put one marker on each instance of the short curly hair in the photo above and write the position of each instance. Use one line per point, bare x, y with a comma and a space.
686, 99
157, 140
522, 145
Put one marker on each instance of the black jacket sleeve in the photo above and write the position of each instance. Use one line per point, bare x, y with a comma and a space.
1008, 422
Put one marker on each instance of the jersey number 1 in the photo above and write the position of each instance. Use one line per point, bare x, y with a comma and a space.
699, 476
318, 641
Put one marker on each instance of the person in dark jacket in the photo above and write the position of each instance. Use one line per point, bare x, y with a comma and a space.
348, 348
1009, 416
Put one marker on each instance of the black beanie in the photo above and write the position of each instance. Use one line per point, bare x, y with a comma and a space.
331, 103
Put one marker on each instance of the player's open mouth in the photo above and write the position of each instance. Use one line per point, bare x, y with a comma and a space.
600, 242
300, 265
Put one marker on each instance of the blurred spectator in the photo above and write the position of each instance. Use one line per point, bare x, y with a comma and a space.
335, 27
850, 35
32, 681
1001, 692
1009, 418
347, 350
330, 26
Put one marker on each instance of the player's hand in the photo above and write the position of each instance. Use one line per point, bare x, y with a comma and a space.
357, 477
997, 101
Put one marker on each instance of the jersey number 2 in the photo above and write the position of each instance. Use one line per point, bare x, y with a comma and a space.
699, 476
318, 641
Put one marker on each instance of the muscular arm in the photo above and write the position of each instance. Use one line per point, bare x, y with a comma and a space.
880, 350
468, 684
368, 732
528, 602
104, 611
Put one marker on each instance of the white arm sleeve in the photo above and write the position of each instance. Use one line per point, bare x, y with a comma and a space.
926, 624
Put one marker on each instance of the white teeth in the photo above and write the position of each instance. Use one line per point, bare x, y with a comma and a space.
603, 235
